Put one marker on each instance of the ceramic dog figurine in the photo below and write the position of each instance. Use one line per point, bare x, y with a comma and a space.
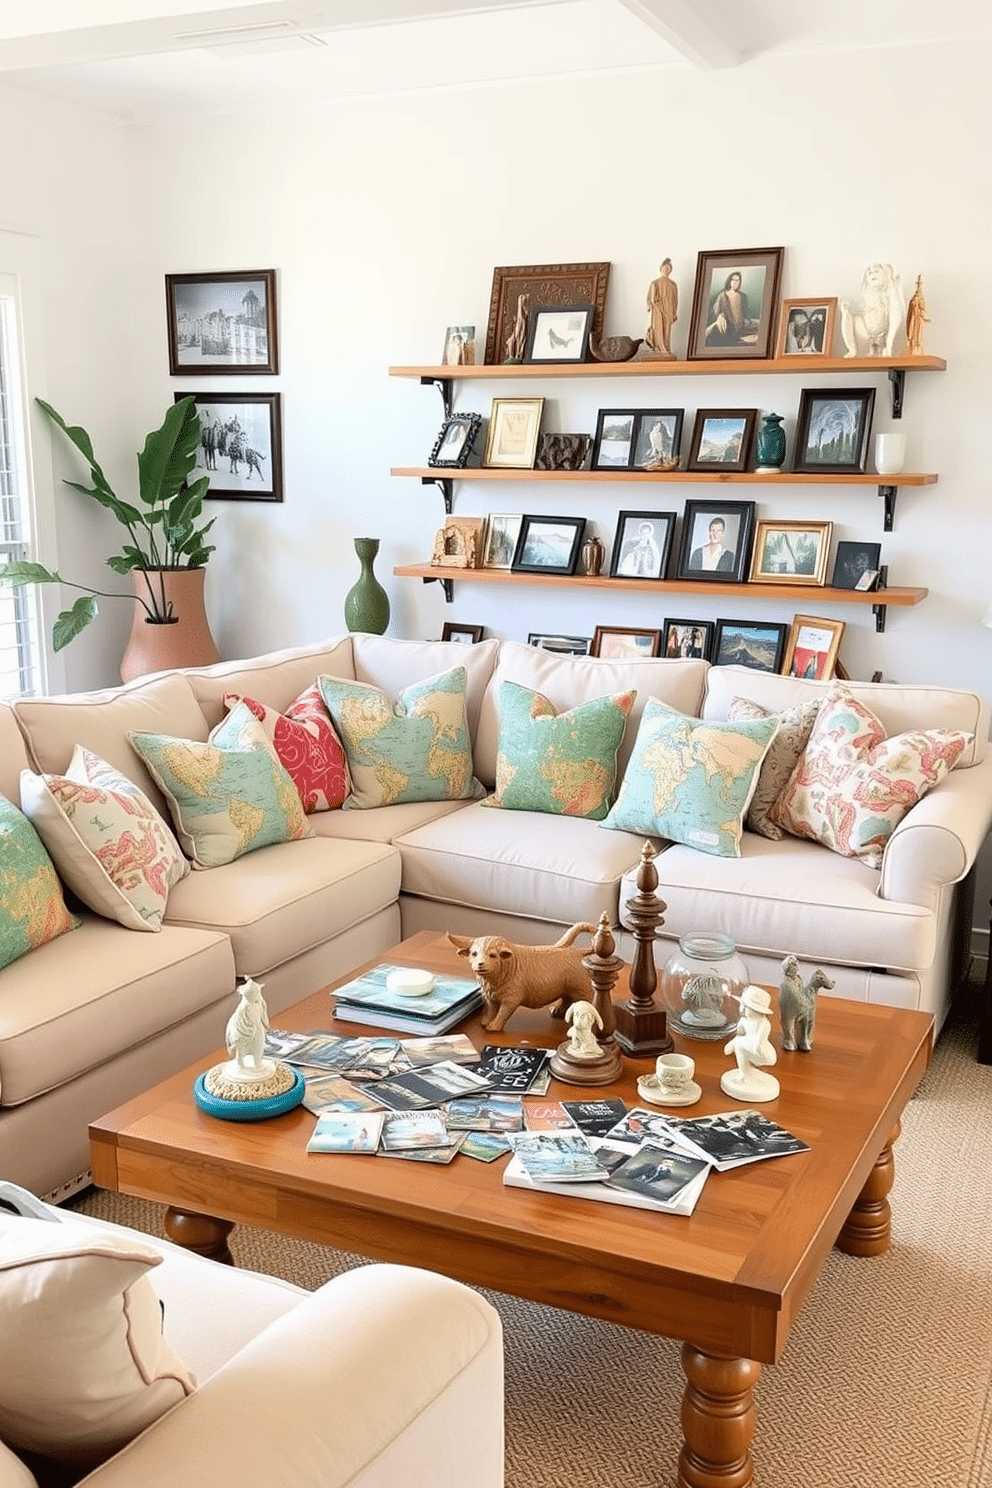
797, 1004
514, 976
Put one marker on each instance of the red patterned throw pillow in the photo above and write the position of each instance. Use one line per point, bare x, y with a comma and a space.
307, 746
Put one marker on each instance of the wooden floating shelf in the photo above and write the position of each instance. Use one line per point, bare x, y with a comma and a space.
679, 477
804, 365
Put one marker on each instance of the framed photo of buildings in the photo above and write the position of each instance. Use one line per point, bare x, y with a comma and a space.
223, 322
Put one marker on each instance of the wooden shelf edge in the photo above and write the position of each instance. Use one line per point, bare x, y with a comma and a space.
677, 477
798, 364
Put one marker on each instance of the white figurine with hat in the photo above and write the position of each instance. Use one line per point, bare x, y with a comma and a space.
751, 1046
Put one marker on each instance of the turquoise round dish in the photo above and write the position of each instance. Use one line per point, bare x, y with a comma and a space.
258, 1110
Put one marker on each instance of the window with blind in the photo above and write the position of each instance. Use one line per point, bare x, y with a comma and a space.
20, 669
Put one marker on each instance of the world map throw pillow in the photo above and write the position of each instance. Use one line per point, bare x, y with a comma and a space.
853, 786
784, 753
691, 781
562, 763
414, 749
32, 907
303, 737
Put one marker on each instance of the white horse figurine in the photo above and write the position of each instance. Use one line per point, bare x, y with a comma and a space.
246, 1029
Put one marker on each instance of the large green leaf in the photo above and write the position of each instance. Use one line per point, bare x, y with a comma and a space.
79, 438
21, 572
169, 454
70, 622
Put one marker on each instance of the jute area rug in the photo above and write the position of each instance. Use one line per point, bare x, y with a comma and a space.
886, 1380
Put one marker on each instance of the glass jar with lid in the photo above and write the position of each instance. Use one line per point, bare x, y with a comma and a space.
700, 984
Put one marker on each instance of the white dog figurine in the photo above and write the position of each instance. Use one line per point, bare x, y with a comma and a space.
583, 1017
514, 976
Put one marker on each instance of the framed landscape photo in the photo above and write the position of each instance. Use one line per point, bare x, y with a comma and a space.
545, 285
511, 441
716, 541
224, 322
621, 642
240, 445
832, 430
791, 552
722, 439
806, 327
852, 561
756, 644
613, 443
500, 543
467, 634
548, 545
454, 444
642, 545
682, 639
734, 303
811, 651
562, 644
559, 334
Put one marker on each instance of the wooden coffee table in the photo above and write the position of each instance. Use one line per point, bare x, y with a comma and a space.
729, 1280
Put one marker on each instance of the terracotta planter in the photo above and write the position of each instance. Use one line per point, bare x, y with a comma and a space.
186, 641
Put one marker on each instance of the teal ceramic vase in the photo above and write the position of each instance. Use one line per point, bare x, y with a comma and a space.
366, 605
771, 443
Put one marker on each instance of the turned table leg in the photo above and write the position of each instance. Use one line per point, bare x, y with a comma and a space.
868, 1226
717, 1420
199, 1232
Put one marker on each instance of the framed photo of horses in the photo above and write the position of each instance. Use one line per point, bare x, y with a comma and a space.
223, 322
240, 445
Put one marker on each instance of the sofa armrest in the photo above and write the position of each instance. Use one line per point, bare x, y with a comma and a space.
937, 842
385, 1375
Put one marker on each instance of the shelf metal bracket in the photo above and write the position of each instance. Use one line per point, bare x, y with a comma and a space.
445, 485
888, 495
448, 585
897, 377
879, 610
445, 386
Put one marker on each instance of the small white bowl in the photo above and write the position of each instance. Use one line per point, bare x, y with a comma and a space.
407, 981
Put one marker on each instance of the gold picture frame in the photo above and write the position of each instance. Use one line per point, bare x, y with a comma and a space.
511, 439
811, 649
790, 552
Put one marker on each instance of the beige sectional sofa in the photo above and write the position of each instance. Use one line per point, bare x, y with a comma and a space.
90, 1018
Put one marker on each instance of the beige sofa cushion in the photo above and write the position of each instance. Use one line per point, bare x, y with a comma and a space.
13, 1473
276, 679
13, 754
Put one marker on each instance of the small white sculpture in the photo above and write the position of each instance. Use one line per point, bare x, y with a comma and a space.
751, 1046
878, 318
246, 1030
583, 1017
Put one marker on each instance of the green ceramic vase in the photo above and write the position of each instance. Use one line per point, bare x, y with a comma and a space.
771, 442
366, 605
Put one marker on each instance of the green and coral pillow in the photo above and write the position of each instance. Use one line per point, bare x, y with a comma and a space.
561, 763
228, 796
32, 908
416, 749
853, 785
691, 781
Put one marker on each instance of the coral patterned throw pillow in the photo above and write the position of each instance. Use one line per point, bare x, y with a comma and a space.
307, 746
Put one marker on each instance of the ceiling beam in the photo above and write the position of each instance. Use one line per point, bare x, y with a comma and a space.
685, 28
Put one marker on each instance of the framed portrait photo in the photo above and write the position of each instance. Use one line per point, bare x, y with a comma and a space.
852, 561
791, 552
545, 285
500, 541
734, 303
564, 645
466, 634
511, 441
559, 334
621, 642
756, 644
240, 445
224, 322
548, 545
459, 346
811, 650
716, 541
681, 639
642, 545
806, 327
456, 441
722, 439
833, 429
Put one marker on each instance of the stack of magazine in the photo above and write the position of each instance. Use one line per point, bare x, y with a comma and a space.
368, 1000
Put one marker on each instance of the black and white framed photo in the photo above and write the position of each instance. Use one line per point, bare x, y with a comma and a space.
806, 327
722, 439
758, 644
791, 552
562, 645
500, 542
642, 545
223, 322
734, 303
548, 545
240, 445
613, 444
456, 440
657, 439
559, 333
833, 429
466, 634
687, 639
716, 541
852, 561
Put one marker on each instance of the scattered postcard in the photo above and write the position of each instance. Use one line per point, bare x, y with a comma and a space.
639, 1123
431, 1086
596, 1117
328, 1051
489, 1113
547, 1116
455, 1046
512, 1070
656, 1172
346, 1131
379, 1057
280, 1043
403, 1130
612, 1156
429, 1154
729, 1139
541, 1083
557, 1157
335, 1093
485, 1146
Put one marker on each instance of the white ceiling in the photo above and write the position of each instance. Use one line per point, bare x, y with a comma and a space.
149, 58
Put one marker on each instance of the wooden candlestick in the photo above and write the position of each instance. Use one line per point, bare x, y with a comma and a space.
641, 1025
603, 966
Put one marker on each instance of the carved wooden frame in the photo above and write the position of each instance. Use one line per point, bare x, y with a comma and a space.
549, 286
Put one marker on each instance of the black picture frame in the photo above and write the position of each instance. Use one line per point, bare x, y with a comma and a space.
246, 468
833, 428
222, 322
464, 634
558, 333
613, 442
736, 539
657, 439
642, 545
722, 439
759, 644
455, 442
852, 560
687, 639
560, 645
734, 322
548, 545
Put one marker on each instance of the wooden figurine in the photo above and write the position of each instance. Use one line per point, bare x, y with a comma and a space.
514, 976
916, 319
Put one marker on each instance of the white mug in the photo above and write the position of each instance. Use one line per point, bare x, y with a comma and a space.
890, 453
674, 1071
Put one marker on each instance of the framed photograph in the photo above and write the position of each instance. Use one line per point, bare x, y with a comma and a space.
716, 541
642, 545
620, 642
613, 442
722, 439
468, 634
806, 327
500, 542
548, 545
687, 638
240, 445
222, 322
657, 439
514, 424
562, 644
545, 285
833, 429
734, 303
459, 347
559, 334
454, 444
748, 643
811, 651
791, 552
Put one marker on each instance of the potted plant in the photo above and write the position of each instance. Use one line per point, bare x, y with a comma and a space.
163, 535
